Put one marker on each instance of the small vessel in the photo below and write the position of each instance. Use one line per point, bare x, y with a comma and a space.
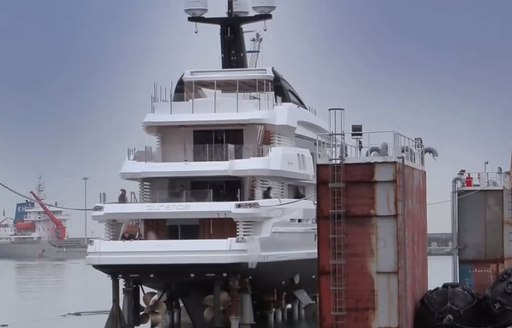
38, 231
225, 219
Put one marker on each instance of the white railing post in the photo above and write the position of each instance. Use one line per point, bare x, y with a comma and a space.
237, 93
215, 96
171, 96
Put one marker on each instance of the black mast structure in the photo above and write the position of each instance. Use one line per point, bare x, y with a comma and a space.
232, 35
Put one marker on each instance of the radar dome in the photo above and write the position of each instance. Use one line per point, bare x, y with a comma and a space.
196, 8
240, 8
264, 6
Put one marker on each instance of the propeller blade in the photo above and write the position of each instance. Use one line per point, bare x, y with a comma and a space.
208, 314
144, 318
155, 319
159, 307
225, 300
148, 297
208, 301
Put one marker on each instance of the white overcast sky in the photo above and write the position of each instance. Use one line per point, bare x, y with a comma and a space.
76, 78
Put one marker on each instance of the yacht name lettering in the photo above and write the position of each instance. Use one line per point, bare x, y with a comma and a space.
247, 205
168, 207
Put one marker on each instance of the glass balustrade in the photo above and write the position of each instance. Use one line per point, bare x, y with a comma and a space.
189, 195
201, 153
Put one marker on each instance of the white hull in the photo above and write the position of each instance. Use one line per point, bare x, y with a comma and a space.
190, 275
41, 250
199, 279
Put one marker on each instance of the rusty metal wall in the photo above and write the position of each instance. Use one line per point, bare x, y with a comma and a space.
323, 173
385, 244
507, 223
370, 194
479, 275
413, 203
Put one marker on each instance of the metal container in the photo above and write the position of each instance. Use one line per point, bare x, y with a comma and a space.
480, 225
484, 234
384, 245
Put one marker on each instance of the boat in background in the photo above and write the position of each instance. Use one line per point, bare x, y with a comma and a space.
38, 231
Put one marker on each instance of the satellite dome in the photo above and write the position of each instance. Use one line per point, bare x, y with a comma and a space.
264, 6
196, 8
240, 8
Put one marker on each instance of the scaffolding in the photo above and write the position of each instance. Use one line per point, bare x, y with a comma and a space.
337, 219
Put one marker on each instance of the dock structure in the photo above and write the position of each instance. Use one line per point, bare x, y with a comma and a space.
482, 206
372, 232
440, 244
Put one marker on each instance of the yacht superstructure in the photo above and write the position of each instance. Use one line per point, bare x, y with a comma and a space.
227, 193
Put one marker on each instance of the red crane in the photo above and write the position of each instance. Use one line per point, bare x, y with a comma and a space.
60, 229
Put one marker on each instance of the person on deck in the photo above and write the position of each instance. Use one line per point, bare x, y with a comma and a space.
126, 236
122, 197
267, 193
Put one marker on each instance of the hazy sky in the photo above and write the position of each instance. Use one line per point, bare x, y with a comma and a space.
76, 78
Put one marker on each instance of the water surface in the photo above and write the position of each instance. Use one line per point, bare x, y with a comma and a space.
41, 293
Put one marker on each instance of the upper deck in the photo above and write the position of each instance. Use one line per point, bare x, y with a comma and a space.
228, 96
372, 147
484, 180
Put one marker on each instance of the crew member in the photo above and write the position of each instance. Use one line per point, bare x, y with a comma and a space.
122, 197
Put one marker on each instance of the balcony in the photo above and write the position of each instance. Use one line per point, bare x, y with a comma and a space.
201, 153
207, 97
182, 195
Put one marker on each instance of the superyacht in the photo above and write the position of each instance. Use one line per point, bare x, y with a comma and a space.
225, 220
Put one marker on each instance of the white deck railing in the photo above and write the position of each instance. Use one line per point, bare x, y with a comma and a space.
202, 153
371, 146
214, 102
486, 179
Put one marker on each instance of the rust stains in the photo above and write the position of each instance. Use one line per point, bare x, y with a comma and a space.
412, 197
374, 192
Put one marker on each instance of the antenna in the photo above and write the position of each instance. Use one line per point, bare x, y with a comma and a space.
231, 32
40, 188
255, 50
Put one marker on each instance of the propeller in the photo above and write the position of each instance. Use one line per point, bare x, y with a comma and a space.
225, 303
154, 309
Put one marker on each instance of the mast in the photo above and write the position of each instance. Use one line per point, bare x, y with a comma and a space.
40, 188
232, 35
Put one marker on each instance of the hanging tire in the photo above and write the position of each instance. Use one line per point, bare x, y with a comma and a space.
451, 305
